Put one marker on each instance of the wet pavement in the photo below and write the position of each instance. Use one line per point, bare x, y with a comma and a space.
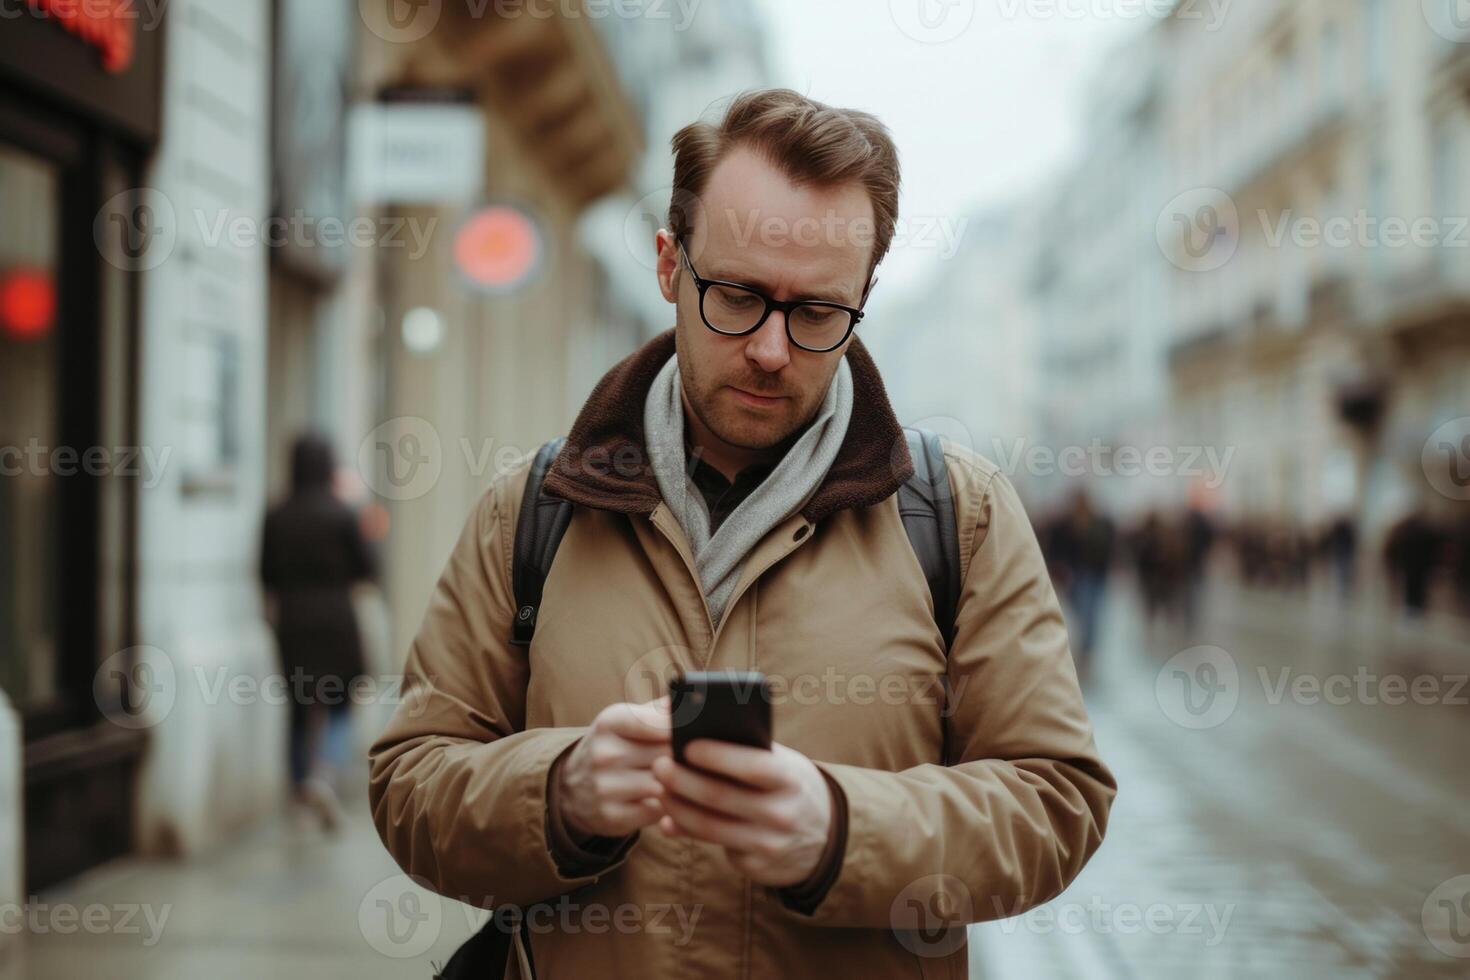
1315, 828
283, 903
1267, 825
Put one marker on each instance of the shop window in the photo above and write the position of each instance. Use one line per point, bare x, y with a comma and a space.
29, 199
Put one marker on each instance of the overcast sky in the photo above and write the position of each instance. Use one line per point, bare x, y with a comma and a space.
979, 117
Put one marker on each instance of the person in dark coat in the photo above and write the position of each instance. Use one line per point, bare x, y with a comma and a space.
312, 553
1198, 538
1460, 565
1081, 547
1340, 545
1152, 558
1412, 551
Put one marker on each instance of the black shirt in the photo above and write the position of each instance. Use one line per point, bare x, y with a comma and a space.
721, 495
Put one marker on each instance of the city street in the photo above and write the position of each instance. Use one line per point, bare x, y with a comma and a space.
1289, 839
1292, 839
292, 292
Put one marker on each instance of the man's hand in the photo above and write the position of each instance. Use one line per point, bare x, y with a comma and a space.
606, 784
770, 811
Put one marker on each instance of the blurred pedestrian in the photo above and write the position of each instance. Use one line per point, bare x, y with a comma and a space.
1198, 536
1412, 551
1081, 547
1460, 564
312, 553
1154, 556
1340, 547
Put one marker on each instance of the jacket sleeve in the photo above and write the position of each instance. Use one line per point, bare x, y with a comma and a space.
807, 895
458, 788
1022, 801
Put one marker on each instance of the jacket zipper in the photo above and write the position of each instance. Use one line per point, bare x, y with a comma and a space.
680, 542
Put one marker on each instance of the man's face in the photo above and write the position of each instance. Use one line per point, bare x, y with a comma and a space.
757, 228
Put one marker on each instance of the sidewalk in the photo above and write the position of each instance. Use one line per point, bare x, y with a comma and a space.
284, 902
1437, 641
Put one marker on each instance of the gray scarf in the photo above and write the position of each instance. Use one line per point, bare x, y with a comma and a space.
785, 491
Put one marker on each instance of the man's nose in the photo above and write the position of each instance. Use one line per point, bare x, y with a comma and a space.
769, 346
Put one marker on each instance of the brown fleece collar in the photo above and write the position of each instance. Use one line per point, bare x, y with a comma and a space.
607, 437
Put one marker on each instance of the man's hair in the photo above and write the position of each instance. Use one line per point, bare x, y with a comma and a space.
809, 142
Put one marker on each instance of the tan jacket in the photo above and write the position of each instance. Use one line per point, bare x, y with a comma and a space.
970, 784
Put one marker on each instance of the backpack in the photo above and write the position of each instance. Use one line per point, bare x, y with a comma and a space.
924, 503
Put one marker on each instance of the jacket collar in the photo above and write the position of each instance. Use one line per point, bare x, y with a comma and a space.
604, 464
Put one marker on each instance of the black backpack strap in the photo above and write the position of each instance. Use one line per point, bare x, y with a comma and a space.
539, 529
926, 505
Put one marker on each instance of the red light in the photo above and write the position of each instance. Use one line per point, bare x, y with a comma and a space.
27, 304
499, 248
110, 26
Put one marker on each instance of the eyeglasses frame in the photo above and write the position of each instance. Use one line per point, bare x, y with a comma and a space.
785, 306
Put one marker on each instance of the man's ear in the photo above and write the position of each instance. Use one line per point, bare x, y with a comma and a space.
667, 264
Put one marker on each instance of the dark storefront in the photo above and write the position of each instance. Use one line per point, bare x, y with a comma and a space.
79, 117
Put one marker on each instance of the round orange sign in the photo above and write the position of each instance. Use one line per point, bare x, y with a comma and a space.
499, 248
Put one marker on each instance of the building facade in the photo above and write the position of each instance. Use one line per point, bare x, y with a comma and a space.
480, 366
718, 51
1099, 282
957, 351
176, 298
1319, 323
80, 118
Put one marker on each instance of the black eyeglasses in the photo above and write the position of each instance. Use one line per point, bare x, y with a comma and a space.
734, 309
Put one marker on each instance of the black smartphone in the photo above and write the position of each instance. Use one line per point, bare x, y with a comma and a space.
728, 705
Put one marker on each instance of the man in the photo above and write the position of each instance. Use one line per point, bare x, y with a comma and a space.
910, 787
1082, 549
